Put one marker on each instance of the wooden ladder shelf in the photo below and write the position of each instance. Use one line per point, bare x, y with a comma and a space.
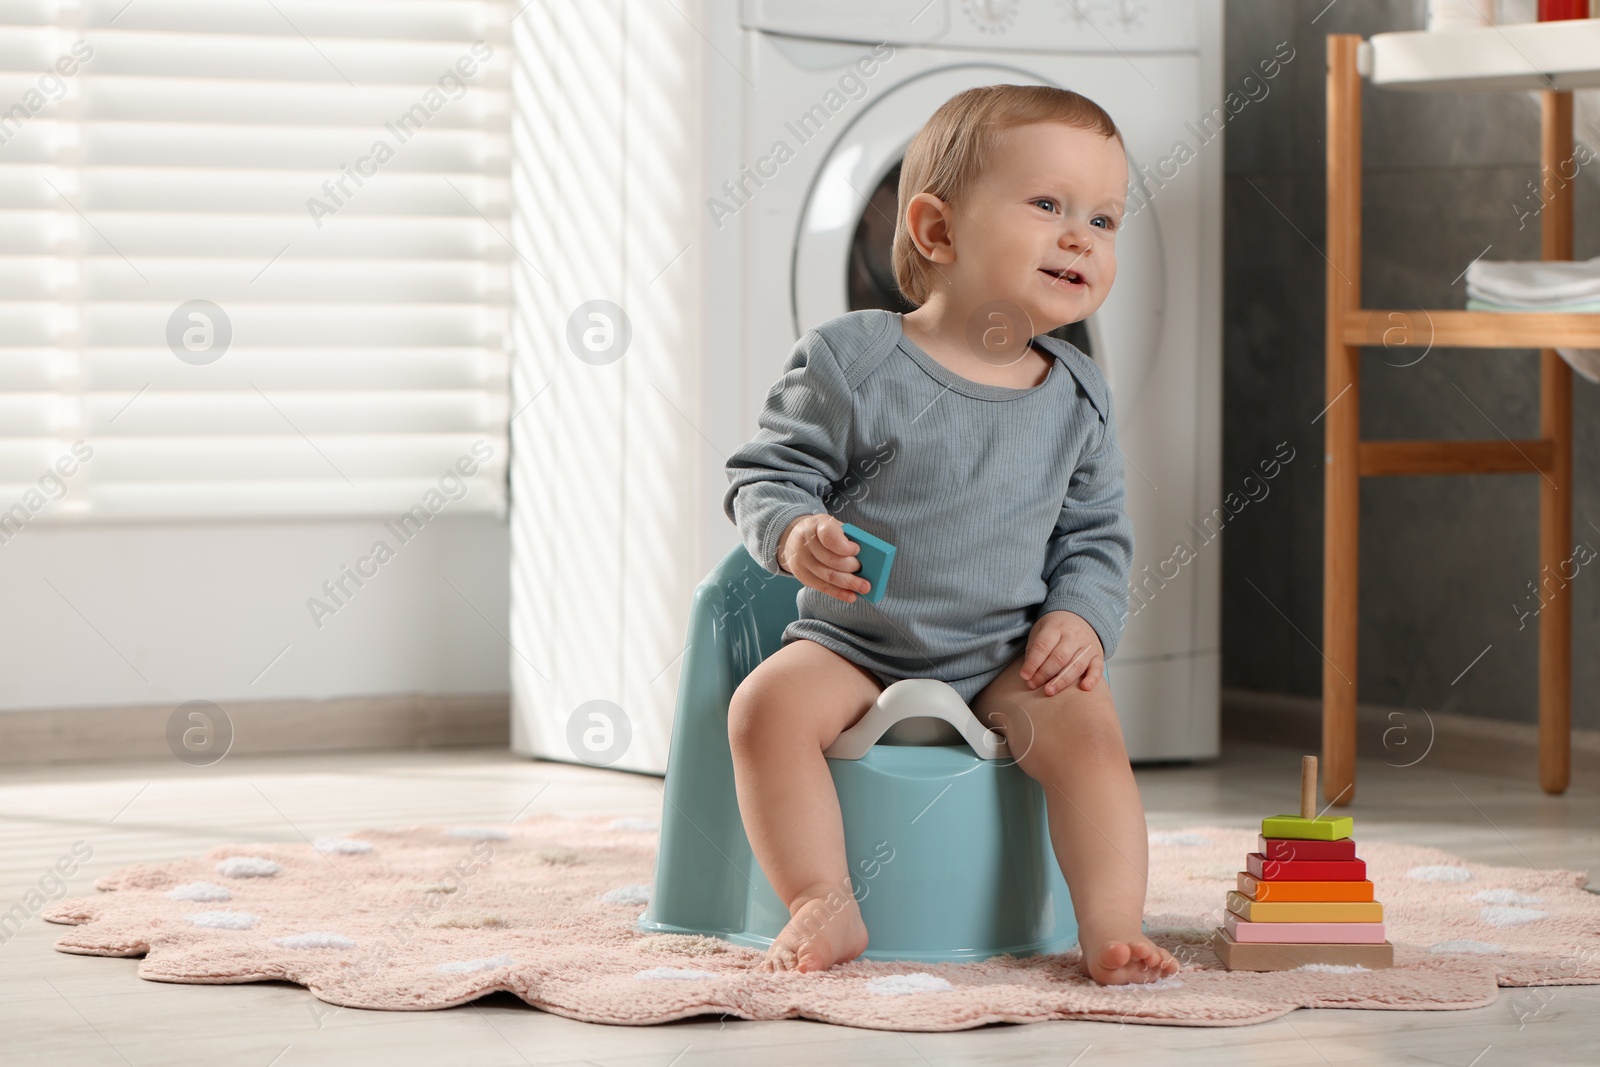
1348, 459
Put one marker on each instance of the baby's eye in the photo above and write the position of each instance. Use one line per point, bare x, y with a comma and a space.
1049, 204
1110, 223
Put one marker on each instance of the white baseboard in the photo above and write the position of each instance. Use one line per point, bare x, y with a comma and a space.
401, 720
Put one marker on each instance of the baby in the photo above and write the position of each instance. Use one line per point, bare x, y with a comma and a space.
986, 453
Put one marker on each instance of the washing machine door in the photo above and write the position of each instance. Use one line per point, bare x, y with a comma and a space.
842, 250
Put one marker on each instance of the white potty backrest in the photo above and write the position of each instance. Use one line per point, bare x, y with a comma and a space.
918, 711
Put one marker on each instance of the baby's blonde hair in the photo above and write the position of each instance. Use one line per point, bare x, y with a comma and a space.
948, 153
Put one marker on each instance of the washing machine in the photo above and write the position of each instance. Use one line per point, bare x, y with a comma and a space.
818, 101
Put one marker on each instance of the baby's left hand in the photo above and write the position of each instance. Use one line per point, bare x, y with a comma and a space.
1062, 649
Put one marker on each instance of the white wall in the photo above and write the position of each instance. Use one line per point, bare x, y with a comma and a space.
162, 613
608, 458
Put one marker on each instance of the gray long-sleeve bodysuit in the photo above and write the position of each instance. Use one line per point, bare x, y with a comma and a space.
1002, 504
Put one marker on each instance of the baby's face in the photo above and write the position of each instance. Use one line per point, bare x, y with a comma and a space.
1049, 202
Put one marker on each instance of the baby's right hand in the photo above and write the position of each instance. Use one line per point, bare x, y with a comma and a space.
815, 550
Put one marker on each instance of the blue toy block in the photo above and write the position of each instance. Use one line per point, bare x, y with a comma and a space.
876, 557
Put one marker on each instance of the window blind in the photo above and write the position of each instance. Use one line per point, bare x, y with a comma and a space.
253, 257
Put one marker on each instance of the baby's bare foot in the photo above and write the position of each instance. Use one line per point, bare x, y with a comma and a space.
1126, 960
822, 930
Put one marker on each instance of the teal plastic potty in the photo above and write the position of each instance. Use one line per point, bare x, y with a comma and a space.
946, 837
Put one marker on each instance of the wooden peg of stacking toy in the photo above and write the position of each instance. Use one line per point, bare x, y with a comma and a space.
1308, 825
1308, 787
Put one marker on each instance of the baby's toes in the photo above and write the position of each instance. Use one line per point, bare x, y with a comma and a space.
1115, 956
1147, 962
808, 960
1159, 962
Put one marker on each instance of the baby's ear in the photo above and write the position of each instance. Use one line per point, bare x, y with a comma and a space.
928, 225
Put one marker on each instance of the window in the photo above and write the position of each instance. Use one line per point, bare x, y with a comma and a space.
252, 257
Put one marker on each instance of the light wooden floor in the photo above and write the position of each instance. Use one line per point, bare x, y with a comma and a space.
66, 1010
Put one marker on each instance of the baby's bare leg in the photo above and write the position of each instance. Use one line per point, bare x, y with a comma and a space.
1071, 743
790, 708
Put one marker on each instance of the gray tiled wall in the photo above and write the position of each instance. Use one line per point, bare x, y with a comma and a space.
1445, 562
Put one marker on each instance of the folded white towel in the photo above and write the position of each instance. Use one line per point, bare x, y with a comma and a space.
1577, 307
1535, 284
1541, 285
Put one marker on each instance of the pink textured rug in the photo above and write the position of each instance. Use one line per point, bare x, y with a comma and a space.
432, 917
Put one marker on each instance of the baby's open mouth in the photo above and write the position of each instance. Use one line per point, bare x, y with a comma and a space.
1072, 277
